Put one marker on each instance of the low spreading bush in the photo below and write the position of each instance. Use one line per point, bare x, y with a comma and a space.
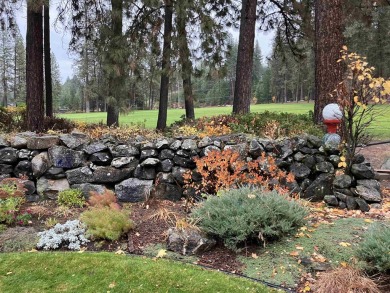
71, 198
375, 248
106, 223
11, 198
247, 214
105, 199
70, 235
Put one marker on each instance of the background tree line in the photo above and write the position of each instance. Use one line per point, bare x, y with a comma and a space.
146, 54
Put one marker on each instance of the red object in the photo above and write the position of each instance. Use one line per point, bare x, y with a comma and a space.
332, 125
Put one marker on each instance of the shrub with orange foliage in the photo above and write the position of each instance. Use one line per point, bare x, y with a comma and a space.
102, 200
226, 170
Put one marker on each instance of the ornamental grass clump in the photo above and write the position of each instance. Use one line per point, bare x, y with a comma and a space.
375, 248
249, 214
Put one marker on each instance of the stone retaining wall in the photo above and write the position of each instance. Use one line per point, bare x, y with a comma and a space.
53, 163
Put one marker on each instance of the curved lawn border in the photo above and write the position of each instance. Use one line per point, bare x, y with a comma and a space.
108, 272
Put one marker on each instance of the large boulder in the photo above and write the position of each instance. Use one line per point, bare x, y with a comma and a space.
167, 191
124, 150
125, 162
320, 187
188, 241
74, 140
23, 169
95, 148
62, 157
50, 188
42, 142
40, 164
79, 175
133, 190
110, 174
8, 155
299, 170
87, 188
342, 181
368, 194
362, 171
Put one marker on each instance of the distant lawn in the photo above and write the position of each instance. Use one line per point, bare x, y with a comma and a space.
108, 272
148, 118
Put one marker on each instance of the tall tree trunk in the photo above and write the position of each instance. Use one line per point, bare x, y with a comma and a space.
86, 69
329, 39
34, 67
186, 64
116, 56
165, 67
243, 86
48, 79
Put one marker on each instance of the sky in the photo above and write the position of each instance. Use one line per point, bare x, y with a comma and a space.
60, 41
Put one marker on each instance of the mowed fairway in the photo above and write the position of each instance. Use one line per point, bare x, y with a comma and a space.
148, 118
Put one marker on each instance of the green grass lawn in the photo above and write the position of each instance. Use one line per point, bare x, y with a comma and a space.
148, 118
108, 272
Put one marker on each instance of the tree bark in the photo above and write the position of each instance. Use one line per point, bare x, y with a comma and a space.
186, 65
243, 86
329, 40
165, 67
34, 67
48, 77
116, 56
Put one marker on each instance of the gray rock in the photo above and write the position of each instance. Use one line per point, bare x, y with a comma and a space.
182, 153
8, 156
79, 175
309, 161
255, 149
110, 174
305, 183
209, 149
125, 162
299, 157
55, 173
167, 191
372, 184
3, 142
358, 159
315, 141
94, 147
369, 194
386, 165
74, 140
299, 170
23, 169
345, 191
331, 200
40, 164
342, 181
189, 145
351, 203
204, 142
133, 190
6, 169
342, 205
335, 160
63, 157
166, 165
42, 142
341, 196
188, 241
124, 151
175, 145
150, 162
101, 158
24, 154
324, 167
165, 178
184, 162
166, 154
239, 148
178, 173
148, 153
144, 172
19, 141
87, 188
320, 187
50, 188
363, 206
29, 186
162, 144
362, 171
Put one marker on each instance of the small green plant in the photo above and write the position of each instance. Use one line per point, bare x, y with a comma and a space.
375, 248
50, 222
247, 214
9, 209
71, 198
106, 223
11, 187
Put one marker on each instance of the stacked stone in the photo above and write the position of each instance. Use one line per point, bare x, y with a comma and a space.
138, 168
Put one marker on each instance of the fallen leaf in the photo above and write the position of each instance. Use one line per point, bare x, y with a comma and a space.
368, 221
299, 247
120, 251
112, 285
343, 264
137, 234
294, 253
344, 244
255, 256
161, 253
9, 273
